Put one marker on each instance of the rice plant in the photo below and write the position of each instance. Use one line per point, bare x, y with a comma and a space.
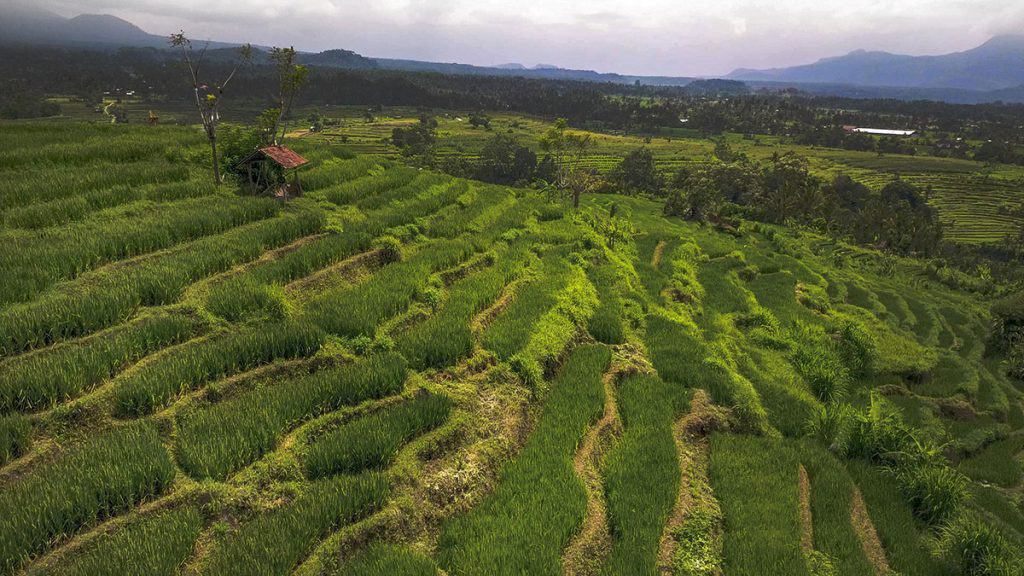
243, 297
64, 210
510, 331
371, 442
156, 383
606, 325
445, 337
762, 535
380, 558
370, 185
907, 546
36, 261
51, 376
358, 310
978, 548
15, 437
58, 183
539, 502
156, 545
218, 440
641, 474
831, 495
424, 184
106, 476
105, 297
276, 541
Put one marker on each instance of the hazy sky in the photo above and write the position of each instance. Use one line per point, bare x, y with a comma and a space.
671, 37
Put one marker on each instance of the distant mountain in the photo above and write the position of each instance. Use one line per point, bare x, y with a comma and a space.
21, 23
995, 65
338, 59
543, 71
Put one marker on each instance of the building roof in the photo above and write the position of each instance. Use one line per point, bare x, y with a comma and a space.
284, 156
880, 131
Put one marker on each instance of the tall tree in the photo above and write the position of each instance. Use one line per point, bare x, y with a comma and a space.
637, 174
290, 77
208, 97
567, 150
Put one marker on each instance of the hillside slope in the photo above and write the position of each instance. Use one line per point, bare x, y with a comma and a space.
403, 371
995, 65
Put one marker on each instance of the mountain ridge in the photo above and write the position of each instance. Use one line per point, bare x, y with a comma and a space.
997, 64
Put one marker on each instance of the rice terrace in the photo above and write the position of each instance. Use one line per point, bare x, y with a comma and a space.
284, 312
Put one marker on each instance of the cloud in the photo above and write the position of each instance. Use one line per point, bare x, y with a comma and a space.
697, 37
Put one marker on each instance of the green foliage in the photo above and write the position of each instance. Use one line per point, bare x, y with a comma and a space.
697, 554
977, 548
831, 495
607, 323
637, 174
104, 477
446, 337
762, 535
382, 558
156, 383
102, 298
371, 442
218, 440
34, 263
641, 474
511, 330
554, 331
997, 462
538, 503
47, 377
358, 310
906, 547
15, 437
935, 492
275, 542
156, 545
243, 297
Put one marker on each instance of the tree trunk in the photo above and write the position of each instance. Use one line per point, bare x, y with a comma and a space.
575, 200
216, 163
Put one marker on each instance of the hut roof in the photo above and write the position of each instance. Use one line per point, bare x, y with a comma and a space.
284, 156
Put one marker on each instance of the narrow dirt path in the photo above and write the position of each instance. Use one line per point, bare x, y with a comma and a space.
865, 529
659, 250
806, 520
688, 433
349, 269
586, 551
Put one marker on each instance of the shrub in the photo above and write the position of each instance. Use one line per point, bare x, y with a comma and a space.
978, 548
390, 248
935, 492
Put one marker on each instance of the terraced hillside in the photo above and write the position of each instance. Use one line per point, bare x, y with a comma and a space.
404, 373
978, 203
